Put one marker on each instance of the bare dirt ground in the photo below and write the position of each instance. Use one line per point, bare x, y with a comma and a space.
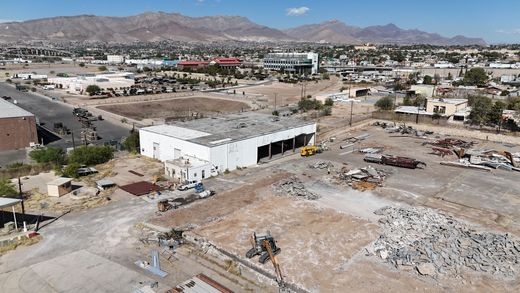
176, 108
291, 93
324, 241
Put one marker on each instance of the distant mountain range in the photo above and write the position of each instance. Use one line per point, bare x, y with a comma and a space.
157, 26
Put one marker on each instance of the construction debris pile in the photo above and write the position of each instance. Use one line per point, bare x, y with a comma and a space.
362, 179
294, 187
321, 165
402, 129
451, 142
487, 160
432, 243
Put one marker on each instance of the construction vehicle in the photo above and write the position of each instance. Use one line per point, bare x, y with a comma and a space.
310, 150
260, 247
265, 246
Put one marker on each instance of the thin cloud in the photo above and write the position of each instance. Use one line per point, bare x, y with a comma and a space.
297, 11
515, 31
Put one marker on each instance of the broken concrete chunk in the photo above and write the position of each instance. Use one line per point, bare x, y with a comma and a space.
426, 269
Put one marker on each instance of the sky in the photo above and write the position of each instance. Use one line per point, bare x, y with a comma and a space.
494, 21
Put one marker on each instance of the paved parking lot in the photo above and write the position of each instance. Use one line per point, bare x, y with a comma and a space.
49, 112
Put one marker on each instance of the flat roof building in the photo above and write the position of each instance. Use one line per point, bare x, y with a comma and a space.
226, 142
17, 127
296, 63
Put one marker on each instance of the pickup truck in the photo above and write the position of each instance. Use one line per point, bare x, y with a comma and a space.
188, 185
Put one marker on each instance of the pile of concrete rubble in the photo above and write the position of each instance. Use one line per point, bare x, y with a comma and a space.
362, 179
294, 187
321, 165
431, 243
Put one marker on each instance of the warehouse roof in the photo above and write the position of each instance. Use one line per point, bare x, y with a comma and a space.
10, 110
224, 129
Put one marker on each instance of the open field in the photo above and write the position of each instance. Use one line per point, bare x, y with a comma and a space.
176, 108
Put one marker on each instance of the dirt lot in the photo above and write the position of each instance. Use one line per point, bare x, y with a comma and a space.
290, 93
324, 241
176, 108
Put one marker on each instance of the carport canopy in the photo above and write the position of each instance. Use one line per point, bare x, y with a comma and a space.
10, 202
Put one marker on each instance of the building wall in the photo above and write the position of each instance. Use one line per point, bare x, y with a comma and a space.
167, 146
228, 156
450, 108
17, 132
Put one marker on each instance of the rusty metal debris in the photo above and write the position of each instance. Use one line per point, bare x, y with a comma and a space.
451, 142
433, 243
403, 162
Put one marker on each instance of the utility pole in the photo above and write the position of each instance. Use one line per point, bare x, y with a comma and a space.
20, 194
351, 111
73, 142
275, 101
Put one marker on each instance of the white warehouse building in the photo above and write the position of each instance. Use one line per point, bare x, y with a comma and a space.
201, 148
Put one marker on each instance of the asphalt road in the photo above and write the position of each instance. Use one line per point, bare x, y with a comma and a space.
49, 112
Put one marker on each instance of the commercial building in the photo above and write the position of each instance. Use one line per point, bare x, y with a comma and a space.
17, 127
111, 80
223, 143
115, 59
299, 63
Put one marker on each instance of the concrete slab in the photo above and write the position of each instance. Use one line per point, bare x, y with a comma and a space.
79, 271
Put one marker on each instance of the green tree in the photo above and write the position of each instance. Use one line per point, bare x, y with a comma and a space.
71, 170
131, 143
427, 79
81, 64
102, 68
504, 93
308, 103
476, 77
48, 155
494, 116
480, 107
407, 101
450, 77
329, 102
7, 188
91, 155
385, 103
92, 89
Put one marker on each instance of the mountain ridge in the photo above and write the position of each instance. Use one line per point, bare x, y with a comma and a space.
157, 26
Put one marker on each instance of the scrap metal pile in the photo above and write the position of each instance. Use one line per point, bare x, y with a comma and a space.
294, 187
432, 243
486, 160
403, 162
402, 129
363, 178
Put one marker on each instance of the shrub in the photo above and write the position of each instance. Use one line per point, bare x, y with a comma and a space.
71, 170
385, 103
91, 155
131, 143
7, 188
48, 155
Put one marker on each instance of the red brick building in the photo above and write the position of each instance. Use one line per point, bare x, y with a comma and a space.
17, 127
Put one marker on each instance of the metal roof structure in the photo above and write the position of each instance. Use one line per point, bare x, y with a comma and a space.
227, 128
8, 202
10, 110
200, 284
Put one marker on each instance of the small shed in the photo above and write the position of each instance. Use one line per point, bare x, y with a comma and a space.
59, 187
